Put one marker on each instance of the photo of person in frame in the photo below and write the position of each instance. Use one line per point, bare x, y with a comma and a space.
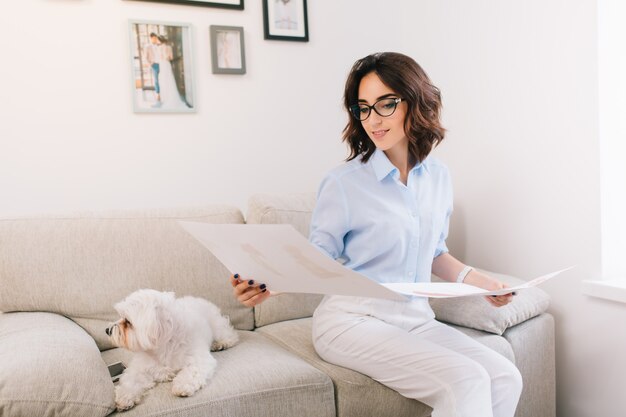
228, 49
162, 76
286, 15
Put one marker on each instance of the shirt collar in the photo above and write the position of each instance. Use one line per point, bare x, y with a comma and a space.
383, 166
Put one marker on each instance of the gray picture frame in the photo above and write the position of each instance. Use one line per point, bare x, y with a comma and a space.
228, 54
180, 97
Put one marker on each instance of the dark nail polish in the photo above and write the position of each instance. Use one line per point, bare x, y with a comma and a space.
236, 276
264, 290
514, 293
262, 286
251, 282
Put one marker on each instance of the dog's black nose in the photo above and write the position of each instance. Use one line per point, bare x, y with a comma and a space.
108, 331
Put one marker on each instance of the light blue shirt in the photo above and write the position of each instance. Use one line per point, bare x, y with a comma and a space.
383, 229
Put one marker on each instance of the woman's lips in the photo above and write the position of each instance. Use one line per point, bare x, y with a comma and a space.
378, 134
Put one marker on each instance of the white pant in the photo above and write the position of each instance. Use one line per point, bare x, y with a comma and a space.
433, 363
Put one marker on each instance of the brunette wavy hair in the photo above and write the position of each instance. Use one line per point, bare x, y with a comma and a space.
407, 79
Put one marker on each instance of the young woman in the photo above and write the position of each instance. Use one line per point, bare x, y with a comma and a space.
386, 213
170, 96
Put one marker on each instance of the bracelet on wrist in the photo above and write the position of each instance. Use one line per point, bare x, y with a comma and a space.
463, 273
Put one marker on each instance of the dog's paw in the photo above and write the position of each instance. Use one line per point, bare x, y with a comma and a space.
224, 343
163, 374
125, 400
182, 387
218, 345
124, 405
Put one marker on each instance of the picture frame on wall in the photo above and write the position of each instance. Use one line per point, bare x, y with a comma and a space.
227, 50
285, 20
224, 4
161, 67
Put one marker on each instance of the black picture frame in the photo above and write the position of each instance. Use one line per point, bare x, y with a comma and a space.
227, 4
292, 26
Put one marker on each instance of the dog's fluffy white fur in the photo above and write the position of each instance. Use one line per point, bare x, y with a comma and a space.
172, 339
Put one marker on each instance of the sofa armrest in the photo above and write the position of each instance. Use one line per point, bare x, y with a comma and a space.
477, 313
51, 367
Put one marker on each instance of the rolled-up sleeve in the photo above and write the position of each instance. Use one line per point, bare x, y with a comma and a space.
441, 244
330, 222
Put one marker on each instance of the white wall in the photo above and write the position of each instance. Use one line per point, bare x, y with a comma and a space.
612, 106
71, 141
520, 92
520, 96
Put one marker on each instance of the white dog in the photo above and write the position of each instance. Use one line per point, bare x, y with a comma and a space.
172, 339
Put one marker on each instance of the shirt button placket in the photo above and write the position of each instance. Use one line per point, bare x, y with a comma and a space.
413, 252
414, 243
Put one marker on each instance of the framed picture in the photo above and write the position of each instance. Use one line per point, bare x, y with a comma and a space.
224, 4
227, 50
285, 20
161, 65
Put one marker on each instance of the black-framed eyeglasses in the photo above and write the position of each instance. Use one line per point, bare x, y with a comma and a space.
385, 107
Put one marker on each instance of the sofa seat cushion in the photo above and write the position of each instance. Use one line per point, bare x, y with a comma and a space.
255, 378
80, 265
356, 395
51, 367
477, 313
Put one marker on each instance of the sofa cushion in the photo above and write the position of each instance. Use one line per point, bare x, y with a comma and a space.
477, 313
293, 209
255, 378
80, 265
356, 395
284, 306
51, 367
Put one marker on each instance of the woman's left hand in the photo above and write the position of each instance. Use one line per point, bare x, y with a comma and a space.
486, 282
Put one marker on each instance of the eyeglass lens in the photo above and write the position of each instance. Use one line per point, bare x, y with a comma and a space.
384, 108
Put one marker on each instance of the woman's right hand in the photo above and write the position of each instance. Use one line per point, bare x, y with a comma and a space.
248, 292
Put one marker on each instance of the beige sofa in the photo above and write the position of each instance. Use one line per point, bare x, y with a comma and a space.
61, 275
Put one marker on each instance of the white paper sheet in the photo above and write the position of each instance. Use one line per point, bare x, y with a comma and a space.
280, 257
453, 289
